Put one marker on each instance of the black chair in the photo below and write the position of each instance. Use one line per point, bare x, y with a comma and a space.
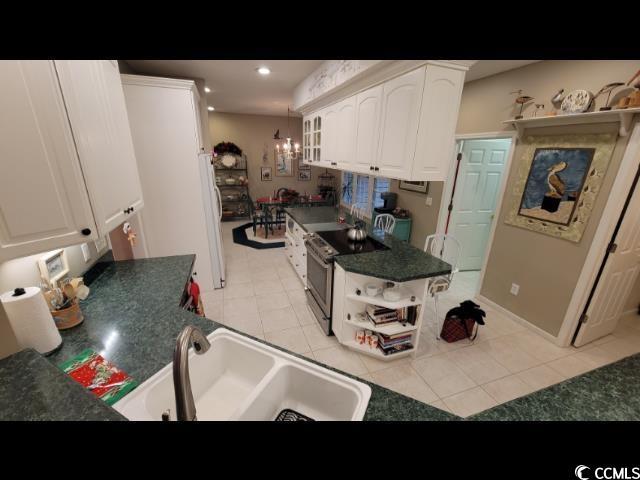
261, 216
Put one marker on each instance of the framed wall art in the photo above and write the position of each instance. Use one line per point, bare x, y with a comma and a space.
304, 175
265, 174
558, 181
53, 266
421, 187
284, 165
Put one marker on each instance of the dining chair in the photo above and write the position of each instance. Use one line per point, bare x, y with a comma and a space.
386, 222
261, 216
446, 248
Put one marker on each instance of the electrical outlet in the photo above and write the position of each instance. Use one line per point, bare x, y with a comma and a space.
515, 288
429, 201
85, 252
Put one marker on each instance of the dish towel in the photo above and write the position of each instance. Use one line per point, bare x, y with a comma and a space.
99, 376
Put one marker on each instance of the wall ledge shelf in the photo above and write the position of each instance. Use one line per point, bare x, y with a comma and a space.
624, 116
381, 302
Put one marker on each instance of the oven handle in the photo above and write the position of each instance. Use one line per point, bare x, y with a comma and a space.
311, 253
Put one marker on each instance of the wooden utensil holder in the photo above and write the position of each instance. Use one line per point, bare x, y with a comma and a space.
68, 317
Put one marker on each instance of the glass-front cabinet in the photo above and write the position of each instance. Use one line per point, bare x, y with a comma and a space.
306, 140
316, 138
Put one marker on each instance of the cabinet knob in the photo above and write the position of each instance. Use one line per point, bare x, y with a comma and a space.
377, 168
371, 167
86, 232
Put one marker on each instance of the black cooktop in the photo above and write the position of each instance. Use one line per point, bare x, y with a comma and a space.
340, 242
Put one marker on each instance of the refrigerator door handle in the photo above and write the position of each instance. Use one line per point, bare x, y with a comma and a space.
219, 202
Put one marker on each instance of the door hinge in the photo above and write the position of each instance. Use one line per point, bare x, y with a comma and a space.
584, 318
612, 247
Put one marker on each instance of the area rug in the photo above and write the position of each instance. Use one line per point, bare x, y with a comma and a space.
241, 237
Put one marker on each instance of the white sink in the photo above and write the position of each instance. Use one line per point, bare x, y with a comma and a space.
242, 379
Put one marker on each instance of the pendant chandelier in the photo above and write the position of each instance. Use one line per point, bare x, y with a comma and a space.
290, 150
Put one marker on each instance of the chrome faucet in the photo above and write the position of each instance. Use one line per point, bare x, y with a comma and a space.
185, 406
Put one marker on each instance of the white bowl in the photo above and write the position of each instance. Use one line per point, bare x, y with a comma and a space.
372, 290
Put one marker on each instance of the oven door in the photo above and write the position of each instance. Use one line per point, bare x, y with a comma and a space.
320, 281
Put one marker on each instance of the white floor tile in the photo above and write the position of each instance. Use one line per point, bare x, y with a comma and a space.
469, 402
341, 358
317, 338
442, 375
292, 339
507, 388
570, 366
271, 301
540, 377
478, 364
403, 379
505, 352
238, 290
278, 319
263, 287
240, 306
296, 296
375, 364
305, 317
292, 283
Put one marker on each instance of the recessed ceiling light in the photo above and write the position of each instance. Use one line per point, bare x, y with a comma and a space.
211, 109
264, 71
207, 90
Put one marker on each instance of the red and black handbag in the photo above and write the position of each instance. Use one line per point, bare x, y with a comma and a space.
460, 322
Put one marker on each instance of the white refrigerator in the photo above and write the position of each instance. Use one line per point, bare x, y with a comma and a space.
213, 215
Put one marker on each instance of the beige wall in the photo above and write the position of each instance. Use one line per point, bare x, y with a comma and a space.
254, 135
634, 297
424, 218
546, 268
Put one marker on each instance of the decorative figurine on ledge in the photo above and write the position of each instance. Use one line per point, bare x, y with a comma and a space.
608, 89
521, 100
633, 99
556, 101
539, 106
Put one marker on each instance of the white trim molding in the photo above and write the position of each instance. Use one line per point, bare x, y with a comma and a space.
512, 316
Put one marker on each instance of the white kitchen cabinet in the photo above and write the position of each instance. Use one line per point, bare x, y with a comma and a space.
367, 129
345, 134
401, 101
316, 137
329, 137
43, 199
97, 111
438, 120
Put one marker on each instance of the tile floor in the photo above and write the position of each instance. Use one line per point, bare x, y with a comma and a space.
264, 298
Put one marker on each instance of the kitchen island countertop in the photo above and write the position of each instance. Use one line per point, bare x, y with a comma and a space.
401, 263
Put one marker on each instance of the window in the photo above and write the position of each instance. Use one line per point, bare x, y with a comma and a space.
363, 191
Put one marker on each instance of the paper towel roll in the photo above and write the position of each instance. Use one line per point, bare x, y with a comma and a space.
31, 320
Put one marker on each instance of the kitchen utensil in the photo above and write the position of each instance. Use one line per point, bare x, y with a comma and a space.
373, 290
82, 292
69, 291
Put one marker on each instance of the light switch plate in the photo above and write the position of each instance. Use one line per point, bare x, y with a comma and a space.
86, 253
429, 201
515, 288
101, 244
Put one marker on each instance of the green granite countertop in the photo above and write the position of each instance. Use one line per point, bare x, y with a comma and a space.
31, 388
132, 318
401, 263
611, 392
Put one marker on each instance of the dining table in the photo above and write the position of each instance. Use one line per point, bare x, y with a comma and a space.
279, 203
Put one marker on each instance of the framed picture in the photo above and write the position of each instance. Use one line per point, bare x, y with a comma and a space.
284, 165
302, 165
265, 174
421, 187
53, 266
304, 175
558, 181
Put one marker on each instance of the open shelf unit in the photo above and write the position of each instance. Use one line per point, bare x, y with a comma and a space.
235, 197
624, 116
350, 308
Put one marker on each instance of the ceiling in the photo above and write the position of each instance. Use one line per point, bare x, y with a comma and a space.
237, 87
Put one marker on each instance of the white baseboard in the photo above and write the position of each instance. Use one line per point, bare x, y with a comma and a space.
520, 320
629, 312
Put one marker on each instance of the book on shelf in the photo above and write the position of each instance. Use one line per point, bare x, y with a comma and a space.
394, 342
376, 310
395, 348
382, 321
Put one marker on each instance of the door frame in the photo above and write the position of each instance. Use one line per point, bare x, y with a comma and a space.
610, 216
448, 187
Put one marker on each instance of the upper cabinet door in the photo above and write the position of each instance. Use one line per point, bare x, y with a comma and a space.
401, 99
345, 144
95, 101
43, 199
367, 129
329, 136
438, 119
306, 139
